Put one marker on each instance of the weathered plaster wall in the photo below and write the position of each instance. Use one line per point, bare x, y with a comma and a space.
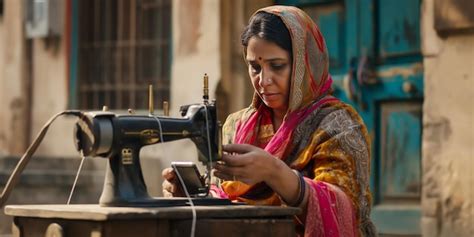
2, 86
47, 79
195, 51
448, 131
50, 95
13, 102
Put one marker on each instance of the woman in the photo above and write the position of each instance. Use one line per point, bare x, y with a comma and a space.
296, 144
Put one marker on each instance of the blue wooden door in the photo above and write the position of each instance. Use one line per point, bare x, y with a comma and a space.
376, 63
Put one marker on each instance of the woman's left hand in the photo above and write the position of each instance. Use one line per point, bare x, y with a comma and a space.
246, 163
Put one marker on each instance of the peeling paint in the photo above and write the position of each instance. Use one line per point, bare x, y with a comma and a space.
437, 130
431, 187
405, 72
452, 207
16, 145
410, 33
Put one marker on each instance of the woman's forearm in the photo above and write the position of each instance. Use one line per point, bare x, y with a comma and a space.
286, 183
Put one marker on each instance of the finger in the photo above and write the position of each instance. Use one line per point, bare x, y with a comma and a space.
238, 148
168, 174
234, 160
167, 194
223, 176
223, 169
229, 172
227, 177
173, 188
168, 186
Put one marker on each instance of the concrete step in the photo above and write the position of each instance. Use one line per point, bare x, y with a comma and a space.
49, 180
54, 171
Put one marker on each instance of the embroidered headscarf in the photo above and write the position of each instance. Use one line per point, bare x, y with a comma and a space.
310, 70
310, 81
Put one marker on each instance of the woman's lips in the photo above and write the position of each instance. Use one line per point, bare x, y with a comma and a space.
269, 96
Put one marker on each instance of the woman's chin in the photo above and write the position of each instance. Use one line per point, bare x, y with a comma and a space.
272, 104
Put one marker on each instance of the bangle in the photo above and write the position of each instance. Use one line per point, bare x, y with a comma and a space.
301, 189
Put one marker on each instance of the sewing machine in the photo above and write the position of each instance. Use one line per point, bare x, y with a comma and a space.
120, 138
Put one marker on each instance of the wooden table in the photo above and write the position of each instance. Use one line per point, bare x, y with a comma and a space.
95, 221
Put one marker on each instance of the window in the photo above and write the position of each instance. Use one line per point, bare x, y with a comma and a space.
124, 46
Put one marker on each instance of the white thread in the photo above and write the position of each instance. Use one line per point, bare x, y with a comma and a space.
159, 127
209, 150
191, 203
77, 176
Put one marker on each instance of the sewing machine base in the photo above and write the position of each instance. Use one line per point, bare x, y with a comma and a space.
170, 202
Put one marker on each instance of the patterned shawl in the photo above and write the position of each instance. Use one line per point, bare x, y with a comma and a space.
320, 136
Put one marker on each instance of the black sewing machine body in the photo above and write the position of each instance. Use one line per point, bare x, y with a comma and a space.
120, 138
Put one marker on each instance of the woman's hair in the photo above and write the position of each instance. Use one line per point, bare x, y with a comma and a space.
269, 27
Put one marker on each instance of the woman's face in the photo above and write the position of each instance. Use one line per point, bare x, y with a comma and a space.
270, 69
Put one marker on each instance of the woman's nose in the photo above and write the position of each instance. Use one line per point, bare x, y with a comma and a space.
265, 78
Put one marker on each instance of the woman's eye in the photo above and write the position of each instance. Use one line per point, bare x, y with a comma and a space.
278, 66
255, 68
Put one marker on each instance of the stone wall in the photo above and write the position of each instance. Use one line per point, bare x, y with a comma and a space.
448, 130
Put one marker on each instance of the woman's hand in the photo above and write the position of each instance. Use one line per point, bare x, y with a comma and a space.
250, 164
246, 163
170, 186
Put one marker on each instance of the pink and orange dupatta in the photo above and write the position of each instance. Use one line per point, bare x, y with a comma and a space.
330, 211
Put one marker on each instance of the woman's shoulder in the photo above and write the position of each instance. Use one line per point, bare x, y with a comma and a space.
341, 109
332, 117
228, 130
239, 115
339, 116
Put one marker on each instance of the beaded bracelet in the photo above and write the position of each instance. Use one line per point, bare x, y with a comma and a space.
301, 189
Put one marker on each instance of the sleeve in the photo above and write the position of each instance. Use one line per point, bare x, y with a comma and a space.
228, 129
230, 125
340, 154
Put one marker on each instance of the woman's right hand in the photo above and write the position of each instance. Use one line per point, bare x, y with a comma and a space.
171, 187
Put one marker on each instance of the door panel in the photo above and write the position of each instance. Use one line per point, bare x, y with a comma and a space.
400, 150
376, 64
398, 28
332, 17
